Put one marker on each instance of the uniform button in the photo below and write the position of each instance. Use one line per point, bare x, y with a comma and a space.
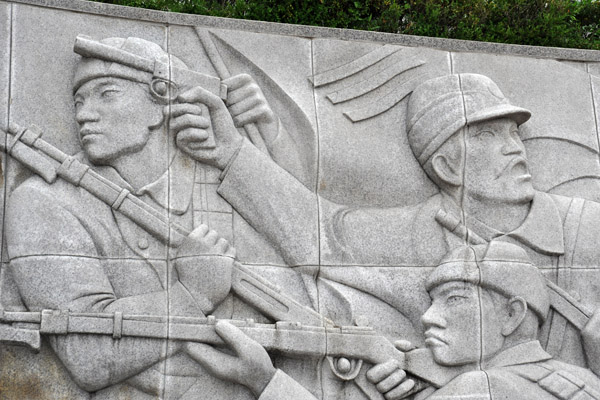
143, 243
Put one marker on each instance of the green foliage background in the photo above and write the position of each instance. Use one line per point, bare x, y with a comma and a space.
559, 23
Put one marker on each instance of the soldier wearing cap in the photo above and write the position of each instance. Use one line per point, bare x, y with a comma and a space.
488, 302
465, 134
70, 251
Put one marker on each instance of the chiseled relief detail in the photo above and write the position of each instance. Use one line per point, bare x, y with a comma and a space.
193, 248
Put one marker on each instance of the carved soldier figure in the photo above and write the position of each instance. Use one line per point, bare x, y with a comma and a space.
488, 302
70, 251
465, 134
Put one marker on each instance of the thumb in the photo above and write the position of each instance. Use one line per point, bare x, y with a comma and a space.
404, 345
233, 336
215, 361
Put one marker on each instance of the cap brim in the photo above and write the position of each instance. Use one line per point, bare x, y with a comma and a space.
517, 114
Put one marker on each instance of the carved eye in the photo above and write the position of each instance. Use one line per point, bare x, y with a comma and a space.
484, 135
109, 92
454, 299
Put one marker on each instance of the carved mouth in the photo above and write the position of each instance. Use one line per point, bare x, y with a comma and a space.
517, 164
432, 340
87, 132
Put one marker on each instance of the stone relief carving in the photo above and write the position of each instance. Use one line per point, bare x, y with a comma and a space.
190, 246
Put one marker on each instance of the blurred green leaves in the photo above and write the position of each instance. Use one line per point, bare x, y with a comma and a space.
558, 23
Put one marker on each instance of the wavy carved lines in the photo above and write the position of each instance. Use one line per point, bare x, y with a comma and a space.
383, 67
372, 83
354, 67
387, 101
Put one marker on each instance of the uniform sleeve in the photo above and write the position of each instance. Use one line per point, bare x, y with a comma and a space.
282, 386
275, 203
55, 266
286, 153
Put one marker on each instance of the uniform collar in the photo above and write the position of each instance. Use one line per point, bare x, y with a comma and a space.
523, 353
172, 191
542, 229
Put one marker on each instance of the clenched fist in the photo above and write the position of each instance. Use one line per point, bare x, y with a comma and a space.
204, 264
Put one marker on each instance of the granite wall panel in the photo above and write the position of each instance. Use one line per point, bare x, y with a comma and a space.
221, 209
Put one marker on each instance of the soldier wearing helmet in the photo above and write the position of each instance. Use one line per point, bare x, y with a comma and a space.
465, 134
70, 251
488, 302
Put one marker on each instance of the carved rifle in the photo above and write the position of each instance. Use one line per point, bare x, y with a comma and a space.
309, 334
49, 162
353, 344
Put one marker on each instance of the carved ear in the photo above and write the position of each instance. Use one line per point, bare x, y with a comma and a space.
448, 171
517, 311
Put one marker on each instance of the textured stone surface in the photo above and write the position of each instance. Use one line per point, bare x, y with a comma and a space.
4, 90
258, 210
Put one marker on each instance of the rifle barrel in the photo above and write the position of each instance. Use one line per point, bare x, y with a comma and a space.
248, 285
289, 338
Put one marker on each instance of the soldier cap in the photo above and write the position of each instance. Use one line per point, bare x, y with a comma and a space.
132, 59
502, 267
440, 107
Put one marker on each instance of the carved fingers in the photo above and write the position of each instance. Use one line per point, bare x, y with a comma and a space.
250, 365
199, 119
204, 241
390, 380
404, 345
216, 362
204, 264
246, 102
188, 124
248, 105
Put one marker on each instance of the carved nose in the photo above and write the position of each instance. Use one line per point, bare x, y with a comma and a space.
433, 318
86, 113
512, 146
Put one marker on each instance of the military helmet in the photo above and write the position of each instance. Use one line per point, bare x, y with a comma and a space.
502, 267
441, 106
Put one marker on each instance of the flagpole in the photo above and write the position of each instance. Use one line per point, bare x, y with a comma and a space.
217, 62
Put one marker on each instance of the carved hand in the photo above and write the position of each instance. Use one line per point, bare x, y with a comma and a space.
389, 379
247, 104
204, 263
249, 366
191, 126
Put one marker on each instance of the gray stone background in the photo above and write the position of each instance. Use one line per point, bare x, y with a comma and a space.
367, 163
364, 163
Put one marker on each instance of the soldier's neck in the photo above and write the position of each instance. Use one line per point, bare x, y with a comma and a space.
504, 217
145, 166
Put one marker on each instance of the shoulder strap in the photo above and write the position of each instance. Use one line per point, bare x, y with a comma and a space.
562, 384
571, 223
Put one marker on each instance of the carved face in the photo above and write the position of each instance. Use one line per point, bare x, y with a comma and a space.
496, 166
114, 117
462, 325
